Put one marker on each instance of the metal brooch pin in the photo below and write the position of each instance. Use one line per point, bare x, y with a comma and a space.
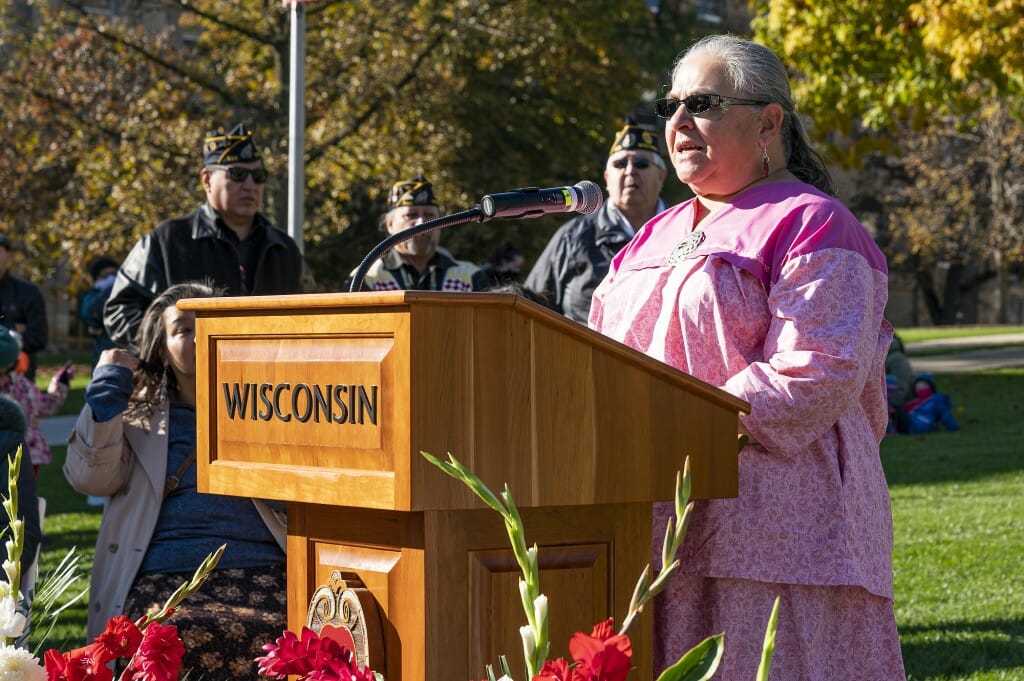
685, 247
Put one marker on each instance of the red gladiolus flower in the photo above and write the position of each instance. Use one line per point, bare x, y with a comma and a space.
602, 656
159, 655
121, 638
554, 670
342, 668
301, 657
81, 664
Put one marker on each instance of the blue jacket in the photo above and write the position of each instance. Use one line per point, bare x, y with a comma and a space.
927, 415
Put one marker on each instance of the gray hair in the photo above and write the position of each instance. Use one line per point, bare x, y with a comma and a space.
757, 72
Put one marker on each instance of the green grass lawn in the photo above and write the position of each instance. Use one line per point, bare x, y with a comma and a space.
958, 511
958, 508
925, 333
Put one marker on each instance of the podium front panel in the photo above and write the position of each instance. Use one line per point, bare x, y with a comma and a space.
306, 408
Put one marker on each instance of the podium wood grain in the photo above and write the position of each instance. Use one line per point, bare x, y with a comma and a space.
342, 393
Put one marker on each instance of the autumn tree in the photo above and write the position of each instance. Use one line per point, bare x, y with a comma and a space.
935, 89
481, 97
864, 67
952, 197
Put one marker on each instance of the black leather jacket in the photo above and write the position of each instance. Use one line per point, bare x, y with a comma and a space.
195, 247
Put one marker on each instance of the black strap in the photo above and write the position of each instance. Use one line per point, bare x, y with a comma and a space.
174, 480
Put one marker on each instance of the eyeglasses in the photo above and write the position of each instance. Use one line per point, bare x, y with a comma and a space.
698, 104
638, 163
239, 174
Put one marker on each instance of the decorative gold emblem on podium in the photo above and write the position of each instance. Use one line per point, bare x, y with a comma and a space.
346, 611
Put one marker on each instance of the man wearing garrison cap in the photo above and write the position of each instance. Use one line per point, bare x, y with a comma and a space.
418, 263
577, 257
226, 241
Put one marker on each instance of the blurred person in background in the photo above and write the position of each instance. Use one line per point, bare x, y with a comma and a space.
22, 308
418, 264
102, 270
34, 402
578, 255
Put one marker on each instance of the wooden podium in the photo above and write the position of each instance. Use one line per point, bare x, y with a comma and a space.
326, 401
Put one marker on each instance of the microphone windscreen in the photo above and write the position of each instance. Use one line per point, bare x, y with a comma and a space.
592, 197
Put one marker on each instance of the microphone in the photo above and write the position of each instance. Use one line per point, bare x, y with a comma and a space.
530, 202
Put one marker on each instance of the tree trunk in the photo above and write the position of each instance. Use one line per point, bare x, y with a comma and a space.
951, 295
926, 284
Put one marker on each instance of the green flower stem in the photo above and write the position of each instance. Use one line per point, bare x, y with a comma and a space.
535, 636
646, 588
185, 590
16, 528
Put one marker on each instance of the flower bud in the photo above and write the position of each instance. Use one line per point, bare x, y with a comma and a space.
540, 608
11, 570
529, 641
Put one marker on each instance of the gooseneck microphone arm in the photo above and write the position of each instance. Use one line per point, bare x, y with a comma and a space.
472, 215
529, 202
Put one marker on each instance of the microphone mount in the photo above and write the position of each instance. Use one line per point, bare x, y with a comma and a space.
529, 202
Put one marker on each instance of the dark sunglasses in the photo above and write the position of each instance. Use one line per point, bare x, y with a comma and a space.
238, 173
639, 163
698, 104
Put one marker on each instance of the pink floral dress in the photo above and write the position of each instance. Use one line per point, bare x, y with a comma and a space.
35, 403
777, 299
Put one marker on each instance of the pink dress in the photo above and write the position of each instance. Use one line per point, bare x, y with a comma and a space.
35, 403
780, 302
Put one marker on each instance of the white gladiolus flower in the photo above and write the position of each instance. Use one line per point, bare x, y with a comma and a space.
17, 664
529, 640
540, 608
9, 569
12, 622
531, 557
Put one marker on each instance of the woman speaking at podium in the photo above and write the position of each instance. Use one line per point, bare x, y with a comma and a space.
766, 286
135, 442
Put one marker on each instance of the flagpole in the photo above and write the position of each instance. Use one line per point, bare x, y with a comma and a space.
296, 123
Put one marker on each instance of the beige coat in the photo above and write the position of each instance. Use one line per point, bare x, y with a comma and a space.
128, 464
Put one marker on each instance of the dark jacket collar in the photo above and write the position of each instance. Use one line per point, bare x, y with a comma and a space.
204, 225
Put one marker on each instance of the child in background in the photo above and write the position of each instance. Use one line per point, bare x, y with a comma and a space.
928, 408
34, 402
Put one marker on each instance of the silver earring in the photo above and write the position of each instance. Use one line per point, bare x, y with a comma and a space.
765, 161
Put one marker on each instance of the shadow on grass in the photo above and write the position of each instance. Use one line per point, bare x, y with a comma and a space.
989, 407
962, 649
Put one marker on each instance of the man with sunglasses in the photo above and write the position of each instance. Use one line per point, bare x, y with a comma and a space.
419, 263
227, 241
578, 255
